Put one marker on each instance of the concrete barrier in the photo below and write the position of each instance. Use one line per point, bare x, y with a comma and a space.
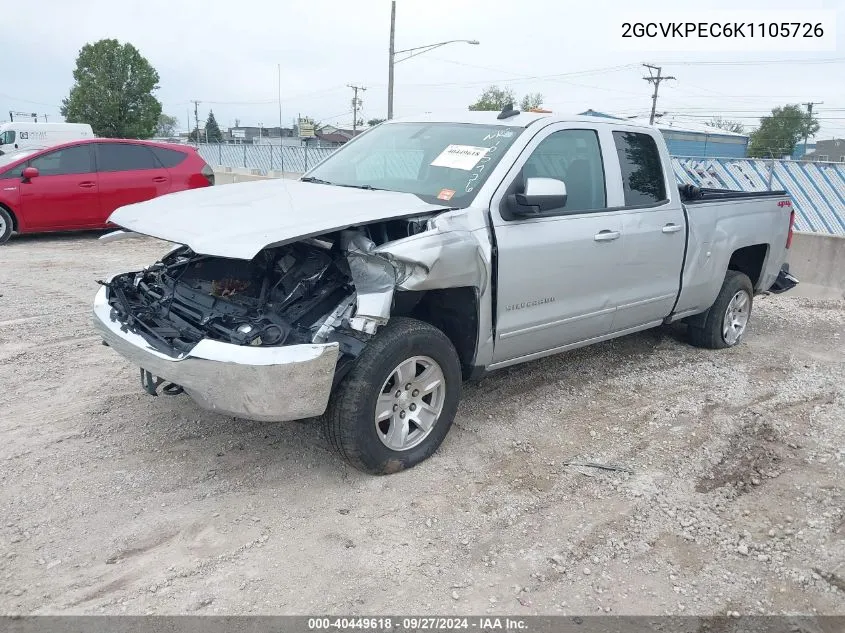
819, 263
230, 175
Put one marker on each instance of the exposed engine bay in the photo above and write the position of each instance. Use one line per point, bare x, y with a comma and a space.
314, 290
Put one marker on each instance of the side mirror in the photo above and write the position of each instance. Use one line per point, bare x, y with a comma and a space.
29, 173
541, 194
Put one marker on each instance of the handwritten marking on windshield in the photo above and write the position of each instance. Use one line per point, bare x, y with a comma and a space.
498, 134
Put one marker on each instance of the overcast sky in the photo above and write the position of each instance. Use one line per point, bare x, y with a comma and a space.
226, 54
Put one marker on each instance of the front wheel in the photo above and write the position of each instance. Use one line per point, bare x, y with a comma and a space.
397, 403
727, 319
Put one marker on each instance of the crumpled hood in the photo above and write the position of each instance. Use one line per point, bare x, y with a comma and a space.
239, 220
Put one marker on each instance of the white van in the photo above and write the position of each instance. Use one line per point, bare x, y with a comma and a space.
20, 135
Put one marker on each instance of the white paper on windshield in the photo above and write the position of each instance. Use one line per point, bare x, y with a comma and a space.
460, 157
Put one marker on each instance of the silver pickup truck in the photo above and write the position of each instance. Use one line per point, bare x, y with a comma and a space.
426, 252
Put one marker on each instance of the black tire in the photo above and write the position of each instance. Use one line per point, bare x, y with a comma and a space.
7, 223
705, 330
349, 423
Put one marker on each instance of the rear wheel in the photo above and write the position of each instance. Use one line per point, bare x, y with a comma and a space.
727, 319
6, 225
397, 403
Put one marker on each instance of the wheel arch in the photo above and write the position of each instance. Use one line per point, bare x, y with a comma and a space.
453, 311
750, 260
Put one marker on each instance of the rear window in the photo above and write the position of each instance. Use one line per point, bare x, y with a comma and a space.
125, 157
642, 171
168, 157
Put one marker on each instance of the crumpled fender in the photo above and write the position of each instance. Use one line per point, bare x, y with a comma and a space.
447, 255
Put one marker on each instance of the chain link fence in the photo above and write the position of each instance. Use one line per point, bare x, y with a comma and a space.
264, 158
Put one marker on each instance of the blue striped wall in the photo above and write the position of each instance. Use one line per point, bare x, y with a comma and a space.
817, 189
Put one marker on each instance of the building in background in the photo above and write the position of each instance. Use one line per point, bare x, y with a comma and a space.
827, 151
685, 138
255, 134
331, 136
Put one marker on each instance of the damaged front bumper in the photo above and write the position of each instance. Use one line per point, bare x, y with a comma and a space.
257, 383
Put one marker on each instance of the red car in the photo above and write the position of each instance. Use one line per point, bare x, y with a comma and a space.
77, 185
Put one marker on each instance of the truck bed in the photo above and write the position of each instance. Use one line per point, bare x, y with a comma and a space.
691, 194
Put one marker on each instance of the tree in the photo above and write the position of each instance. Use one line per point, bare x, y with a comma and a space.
166, 125
373, 122
494, 99
113, 91
725, 124
212, 130
779, 133
530, 101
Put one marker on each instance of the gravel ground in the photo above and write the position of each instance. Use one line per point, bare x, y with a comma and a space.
115, 502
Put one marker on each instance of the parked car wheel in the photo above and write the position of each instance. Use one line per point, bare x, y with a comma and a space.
6, 225
727, 319
398, 402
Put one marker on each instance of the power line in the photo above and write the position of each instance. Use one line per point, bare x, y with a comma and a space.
5, 96
759, 62
523, 79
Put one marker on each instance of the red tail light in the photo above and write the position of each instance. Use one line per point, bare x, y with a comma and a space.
791, 226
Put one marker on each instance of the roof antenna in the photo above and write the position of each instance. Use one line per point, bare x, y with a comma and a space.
507, 112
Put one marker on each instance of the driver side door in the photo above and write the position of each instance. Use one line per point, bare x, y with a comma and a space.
556, 271
65, 194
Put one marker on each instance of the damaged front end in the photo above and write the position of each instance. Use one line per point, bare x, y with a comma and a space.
281, 297
268, 338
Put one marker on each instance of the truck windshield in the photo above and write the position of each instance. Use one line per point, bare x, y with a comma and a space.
439, 162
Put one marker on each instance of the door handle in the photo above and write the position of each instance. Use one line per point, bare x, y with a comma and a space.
606, 236
87, 184
672, 228
159, 179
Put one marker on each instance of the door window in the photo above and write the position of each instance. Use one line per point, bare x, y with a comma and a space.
7, 137
64, 162
573, 156
124, 157
642, 169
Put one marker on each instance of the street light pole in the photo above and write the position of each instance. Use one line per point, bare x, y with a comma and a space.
418, 50
392, 55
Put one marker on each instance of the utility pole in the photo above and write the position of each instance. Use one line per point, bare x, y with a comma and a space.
392, 53
356, 103
809, 105
197, 118
654, 79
